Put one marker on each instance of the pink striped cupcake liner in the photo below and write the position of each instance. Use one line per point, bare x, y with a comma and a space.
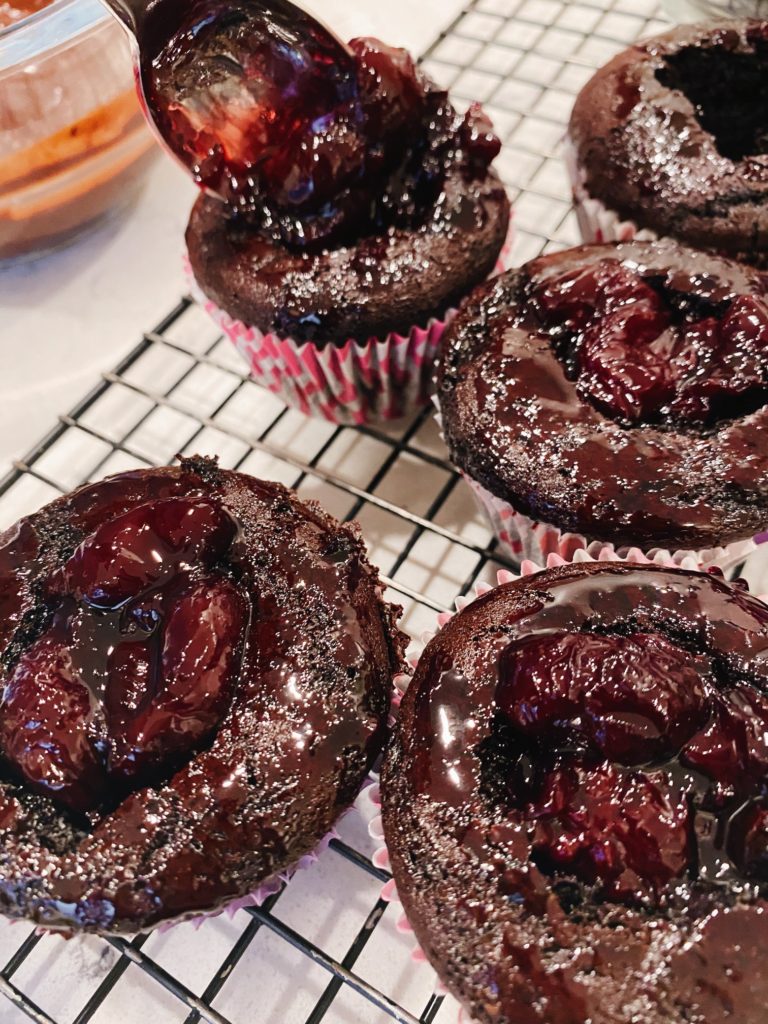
523, 538
359, 382
453, 1012
353, 384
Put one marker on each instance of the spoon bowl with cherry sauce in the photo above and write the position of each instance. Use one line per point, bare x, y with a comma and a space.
251, 97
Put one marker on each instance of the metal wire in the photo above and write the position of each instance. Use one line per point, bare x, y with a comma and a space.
182, 389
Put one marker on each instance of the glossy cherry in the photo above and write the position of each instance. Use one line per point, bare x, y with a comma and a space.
627, 831
393, 98
50, 728
138, 665
724, 363
190, 674
144, 546
622, 743
644, 352
254, 97
636, 699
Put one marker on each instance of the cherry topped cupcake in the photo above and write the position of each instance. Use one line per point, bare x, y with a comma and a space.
615, 395
196, 677
671, 139
574, 800
334, 262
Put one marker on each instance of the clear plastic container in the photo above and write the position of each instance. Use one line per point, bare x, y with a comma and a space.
700, 10
73, 142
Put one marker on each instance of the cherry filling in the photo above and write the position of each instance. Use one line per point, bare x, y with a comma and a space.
139, 661
729, 91
656, 347
633, 764
309, 142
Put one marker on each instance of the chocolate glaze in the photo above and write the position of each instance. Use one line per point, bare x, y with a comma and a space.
208, 662
639, 896
523, 422
673, 134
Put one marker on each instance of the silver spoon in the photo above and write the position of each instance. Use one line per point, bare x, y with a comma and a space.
236, 88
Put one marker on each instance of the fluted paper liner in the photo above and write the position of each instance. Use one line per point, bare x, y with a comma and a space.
359, 382
524, 538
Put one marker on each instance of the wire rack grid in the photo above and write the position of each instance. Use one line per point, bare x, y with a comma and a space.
326, 947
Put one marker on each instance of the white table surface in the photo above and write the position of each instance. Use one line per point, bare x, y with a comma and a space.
66, 318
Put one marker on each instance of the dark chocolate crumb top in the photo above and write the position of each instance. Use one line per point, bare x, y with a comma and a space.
196, 678
673, 134
617, 391
574, 800
382, 283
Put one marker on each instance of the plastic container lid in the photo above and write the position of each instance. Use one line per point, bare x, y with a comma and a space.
47, 29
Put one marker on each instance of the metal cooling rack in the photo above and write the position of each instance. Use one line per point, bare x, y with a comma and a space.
326, 948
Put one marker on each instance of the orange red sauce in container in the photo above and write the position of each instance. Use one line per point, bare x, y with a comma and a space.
15, 10
73, 143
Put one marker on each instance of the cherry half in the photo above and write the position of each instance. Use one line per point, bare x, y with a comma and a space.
644, 351
140, 661
638, 765
144, 546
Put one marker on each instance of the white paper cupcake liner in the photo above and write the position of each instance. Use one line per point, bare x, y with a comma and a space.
523, 538
455, 1013
359, 382
597, 223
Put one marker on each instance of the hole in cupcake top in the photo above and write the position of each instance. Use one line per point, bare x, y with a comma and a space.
729, 92
630, 762
137, 663
661, 347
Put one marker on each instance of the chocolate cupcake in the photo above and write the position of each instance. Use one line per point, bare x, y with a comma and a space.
196, 678
574, 800
671, 138
337, 289
615, 395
